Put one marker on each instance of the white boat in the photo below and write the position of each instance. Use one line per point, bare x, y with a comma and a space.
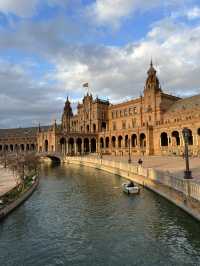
130, 190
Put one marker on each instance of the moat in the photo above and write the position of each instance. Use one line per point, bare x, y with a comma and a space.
79, 216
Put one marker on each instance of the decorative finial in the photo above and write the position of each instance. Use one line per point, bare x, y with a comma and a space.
151, 63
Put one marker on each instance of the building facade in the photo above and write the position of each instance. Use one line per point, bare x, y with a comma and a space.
151, 124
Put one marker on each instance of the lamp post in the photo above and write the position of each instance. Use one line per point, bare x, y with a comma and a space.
187, 172
129, 150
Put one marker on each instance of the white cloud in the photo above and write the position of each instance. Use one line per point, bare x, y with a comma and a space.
112, 12
193, 13
114, 72
26, 8
19, 7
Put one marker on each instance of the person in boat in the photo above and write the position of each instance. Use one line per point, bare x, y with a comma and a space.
130, 184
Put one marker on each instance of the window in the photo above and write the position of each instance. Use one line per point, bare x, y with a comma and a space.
114, 126
123, 124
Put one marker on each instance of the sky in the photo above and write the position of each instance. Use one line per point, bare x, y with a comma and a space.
49, 48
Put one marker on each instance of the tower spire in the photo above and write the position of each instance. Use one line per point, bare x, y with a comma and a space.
151, 63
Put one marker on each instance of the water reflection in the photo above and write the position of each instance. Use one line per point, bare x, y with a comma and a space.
79, 216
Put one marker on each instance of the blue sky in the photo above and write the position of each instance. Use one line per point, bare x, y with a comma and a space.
49, 48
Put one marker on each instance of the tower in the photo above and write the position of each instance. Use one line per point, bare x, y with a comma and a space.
152, 96
67, 114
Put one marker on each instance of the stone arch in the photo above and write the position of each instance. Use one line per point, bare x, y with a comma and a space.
175, 135
107, 142
88, 128
101, 143
113, 140
27, 147
142, 140
103, 126
6, 147
46, 145
63, 145
86, 145
120, 138
93, 145
163, 139
71, 146
134, 140
198, 131
190, 139
79, 145
16, 147
32, 147
94, 128
11, 147
22, 147
126, 141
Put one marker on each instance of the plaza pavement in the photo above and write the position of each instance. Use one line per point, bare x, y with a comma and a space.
174, 165
7, 180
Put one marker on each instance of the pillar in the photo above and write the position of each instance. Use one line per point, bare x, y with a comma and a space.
89, 145
75, 147
82, 147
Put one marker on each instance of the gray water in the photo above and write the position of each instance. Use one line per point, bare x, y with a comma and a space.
79, 216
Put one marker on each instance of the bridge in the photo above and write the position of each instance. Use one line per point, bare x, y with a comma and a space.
54, 156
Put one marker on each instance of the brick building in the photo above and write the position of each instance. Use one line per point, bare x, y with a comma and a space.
150, 124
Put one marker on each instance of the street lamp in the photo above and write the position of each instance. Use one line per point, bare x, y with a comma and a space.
129, 150
186, 135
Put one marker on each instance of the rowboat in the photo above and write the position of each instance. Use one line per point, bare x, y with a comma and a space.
130, 190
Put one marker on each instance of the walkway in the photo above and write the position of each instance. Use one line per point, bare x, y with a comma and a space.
172, 164
7, 180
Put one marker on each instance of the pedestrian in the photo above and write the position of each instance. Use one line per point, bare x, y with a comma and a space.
140, 162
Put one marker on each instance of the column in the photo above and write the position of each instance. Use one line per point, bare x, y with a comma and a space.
67, 147
75, 147
89, 145
82, 147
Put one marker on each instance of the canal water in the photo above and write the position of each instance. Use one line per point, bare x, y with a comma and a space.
79, 216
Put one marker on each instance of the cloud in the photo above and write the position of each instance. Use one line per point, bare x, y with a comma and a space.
27, 8
18, 7
114, 72
193, 13
113, 12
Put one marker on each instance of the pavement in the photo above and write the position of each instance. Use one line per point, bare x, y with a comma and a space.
7, 180
173, 165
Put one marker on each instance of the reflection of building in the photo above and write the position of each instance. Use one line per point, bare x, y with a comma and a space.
152, 123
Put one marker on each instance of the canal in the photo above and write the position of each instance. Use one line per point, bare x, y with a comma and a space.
79, 216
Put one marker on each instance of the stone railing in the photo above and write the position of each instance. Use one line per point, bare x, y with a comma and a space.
189, 188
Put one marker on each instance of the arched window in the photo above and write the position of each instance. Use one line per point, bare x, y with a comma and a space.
120, 141
175, 135
142, 140
107, 142
101, 143
93, 145
164, 139
113, 141
134, 140
190, 139
46, 144
126, 141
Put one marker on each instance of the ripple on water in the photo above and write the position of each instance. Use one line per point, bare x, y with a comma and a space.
79, 216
